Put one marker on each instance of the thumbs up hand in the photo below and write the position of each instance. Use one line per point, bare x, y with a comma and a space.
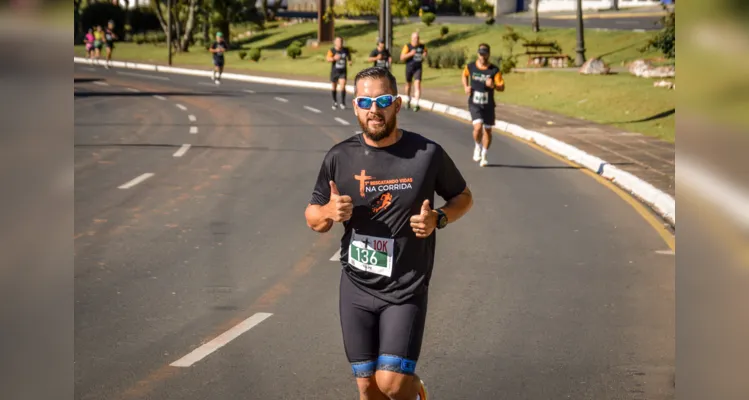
424, 223
339, 207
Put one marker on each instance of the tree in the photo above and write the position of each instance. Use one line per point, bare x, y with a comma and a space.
183, 20
536, 28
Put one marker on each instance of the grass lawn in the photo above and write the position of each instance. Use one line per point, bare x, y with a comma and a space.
614, 99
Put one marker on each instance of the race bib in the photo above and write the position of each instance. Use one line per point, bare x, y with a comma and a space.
480, 97
341, 64
371, 254
418, 56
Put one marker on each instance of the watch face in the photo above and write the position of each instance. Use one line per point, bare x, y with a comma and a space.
442, 220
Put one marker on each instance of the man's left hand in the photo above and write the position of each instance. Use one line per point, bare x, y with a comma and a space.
425, 222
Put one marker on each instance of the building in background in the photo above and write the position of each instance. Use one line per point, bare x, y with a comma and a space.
513, 6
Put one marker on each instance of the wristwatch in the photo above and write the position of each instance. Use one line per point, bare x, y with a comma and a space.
441, 219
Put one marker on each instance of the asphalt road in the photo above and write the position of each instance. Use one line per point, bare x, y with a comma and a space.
551, 287
621, 23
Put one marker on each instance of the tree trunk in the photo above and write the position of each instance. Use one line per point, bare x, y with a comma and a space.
535, 23
189, 26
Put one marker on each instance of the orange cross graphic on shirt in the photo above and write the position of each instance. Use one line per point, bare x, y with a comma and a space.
363, 178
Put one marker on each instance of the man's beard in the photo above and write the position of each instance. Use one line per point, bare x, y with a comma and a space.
380, 133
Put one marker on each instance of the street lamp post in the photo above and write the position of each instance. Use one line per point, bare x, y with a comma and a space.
169, 30
580, 50
386, 24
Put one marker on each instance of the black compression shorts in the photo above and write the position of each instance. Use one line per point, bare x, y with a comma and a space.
337, 74
378, 334
413, 73
485, 115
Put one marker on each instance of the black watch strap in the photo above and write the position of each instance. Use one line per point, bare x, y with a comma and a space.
441, 219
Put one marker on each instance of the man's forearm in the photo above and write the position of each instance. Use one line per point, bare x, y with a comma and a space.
317, 218
458, 206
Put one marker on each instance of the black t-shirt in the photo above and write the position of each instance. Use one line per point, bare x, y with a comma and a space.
384, 61
482, 95
418, 58
108, 36
388, 186
340, 65
216, 45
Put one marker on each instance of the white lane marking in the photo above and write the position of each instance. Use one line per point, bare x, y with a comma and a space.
336, 256
207, 84
638, 30
101, 83
132, 90
314, 110
90, 69
342, 121
136, 181
182, 150
194, 130
192, 118
181, 107
281, 99
666, 252
159, 97
249, 91
161, 78
220, 341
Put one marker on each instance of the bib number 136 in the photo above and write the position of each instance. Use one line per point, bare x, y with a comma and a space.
371, 254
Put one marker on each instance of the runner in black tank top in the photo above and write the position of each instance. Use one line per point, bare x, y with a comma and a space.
480, 80
339, 58
381, 185
414, 54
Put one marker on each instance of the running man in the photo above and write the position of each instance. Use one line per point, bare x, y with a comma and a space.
339, 58
414, 54
380, 56
480, 79
381, 185
98, 41
217, 49
109, 38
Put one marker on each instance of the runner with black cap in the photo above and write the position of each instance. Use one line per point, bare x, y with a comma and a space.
480, 79
380, 56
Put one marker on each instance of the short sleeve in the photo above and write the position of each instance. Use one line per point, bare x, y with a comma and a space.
373, 53
330, 53
321, 192
405, 49
450, 181
465, 72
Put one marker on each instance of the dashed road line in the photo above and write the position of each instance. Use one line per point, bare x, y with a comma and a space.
282, 100
161, 78
181, 107
314, 110
194, 130
249, 91
336, 256
342, 121
156, 96
132, 90
221, 340
182, 150
101, 83
136, 181
665, 252
192, 118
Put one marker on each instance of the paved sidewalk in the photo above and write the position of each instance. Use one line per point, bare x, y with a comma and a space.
647, 158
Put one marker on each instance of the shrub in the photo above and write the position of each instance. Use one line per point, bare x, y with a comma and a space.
446, 58
242, 54
508, 64
293, 51
297, 43
665, 40
444, 30
481, 6
467, 8
428, 18
255, 54
490, 21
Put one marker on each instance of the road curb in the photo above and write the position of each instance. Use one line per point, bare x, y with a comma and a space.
661, 202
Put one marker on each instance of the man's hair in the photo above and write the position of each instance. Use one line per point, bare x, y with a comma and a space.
377, 73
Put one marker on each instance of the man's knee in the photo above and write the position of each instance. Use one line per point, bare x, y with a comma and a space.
366, 385
393, 384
